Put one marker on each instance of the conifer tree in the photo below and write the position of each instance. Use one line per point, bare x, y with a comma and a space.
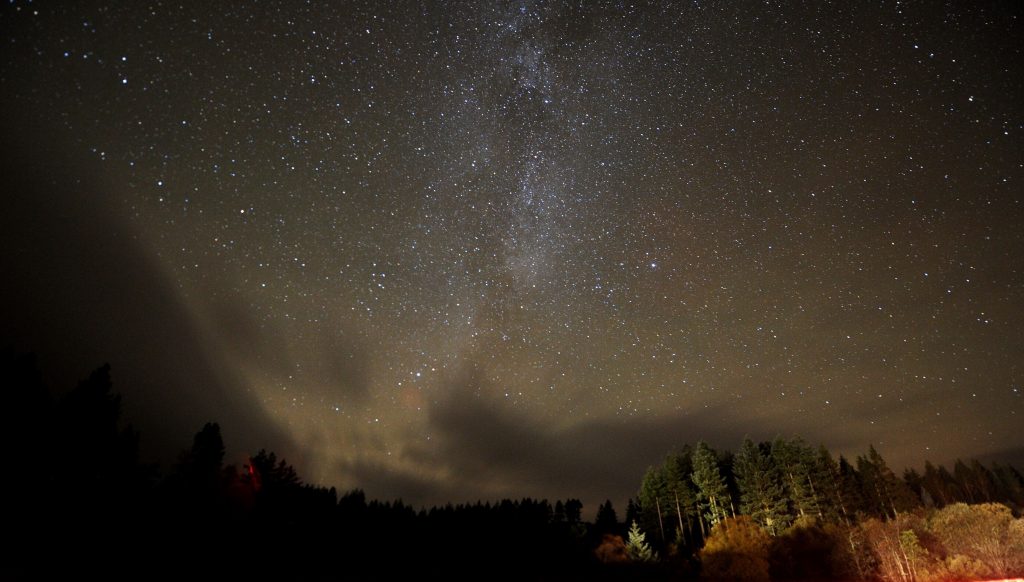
712, 492
794, 461
761, 492
933, 483
653, 498
832, 502
886, 493
678, 470
851, 488
607, 521
637, 547
632, 511
1009, 483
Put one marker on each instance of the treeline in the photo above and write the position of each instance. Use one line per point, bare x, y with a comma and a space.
756, 514
78, 500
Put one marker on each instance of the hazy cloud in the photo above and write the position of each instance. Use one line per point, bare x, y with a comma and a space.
80, 290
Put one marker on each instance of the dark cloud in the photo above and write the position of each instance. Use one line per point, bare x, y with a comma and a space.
246, 337
79, 290
1010, 455
385, 481
489, 449
334, 366
342, 360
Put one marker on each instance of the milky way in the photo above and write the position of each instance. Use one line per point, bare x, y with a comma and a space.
450, 251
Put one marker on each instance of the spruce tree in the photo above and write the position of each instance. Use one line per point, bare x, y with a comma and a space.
833, 504
607, 521
887, 494
851, 488
653, 499
761, 492
794, 460
712, 492
637, 547
1009, 484
678, 470
934, 485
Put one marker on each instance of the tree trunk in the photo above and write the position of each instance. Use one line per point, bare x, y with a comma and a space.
679, 515
792, 485
700, 520
814, 495
661, 526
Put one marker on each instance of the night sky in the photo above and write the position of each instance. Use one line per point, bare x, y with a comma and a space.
461, 251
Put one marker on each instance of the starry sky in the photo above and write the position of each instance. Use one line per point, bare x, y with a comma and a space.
463, 250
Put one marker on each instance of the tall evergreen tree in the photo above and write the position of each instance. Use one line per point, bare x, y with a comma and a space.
953, 490
558, 514
886, 494
933, 484
607, 521
102, 455
830, 495
914, 482
573, 511
794, 461
712, 492
1009, 484
653, 498
985, 481
851, 488
678, 470
761, 492
632, 511
965, 479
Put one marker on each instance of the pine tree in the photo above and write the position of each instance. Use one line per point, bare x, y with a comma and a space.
637, 547
761, 492
712, 492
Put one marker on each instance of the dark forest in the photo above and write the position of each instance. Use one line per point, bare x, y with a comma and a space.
80, 500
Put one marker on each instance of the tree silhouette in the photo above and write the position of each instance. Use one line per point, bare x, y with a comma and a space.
607, 521
885, 493
79, 468
265, 473
573, 511
202, 466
